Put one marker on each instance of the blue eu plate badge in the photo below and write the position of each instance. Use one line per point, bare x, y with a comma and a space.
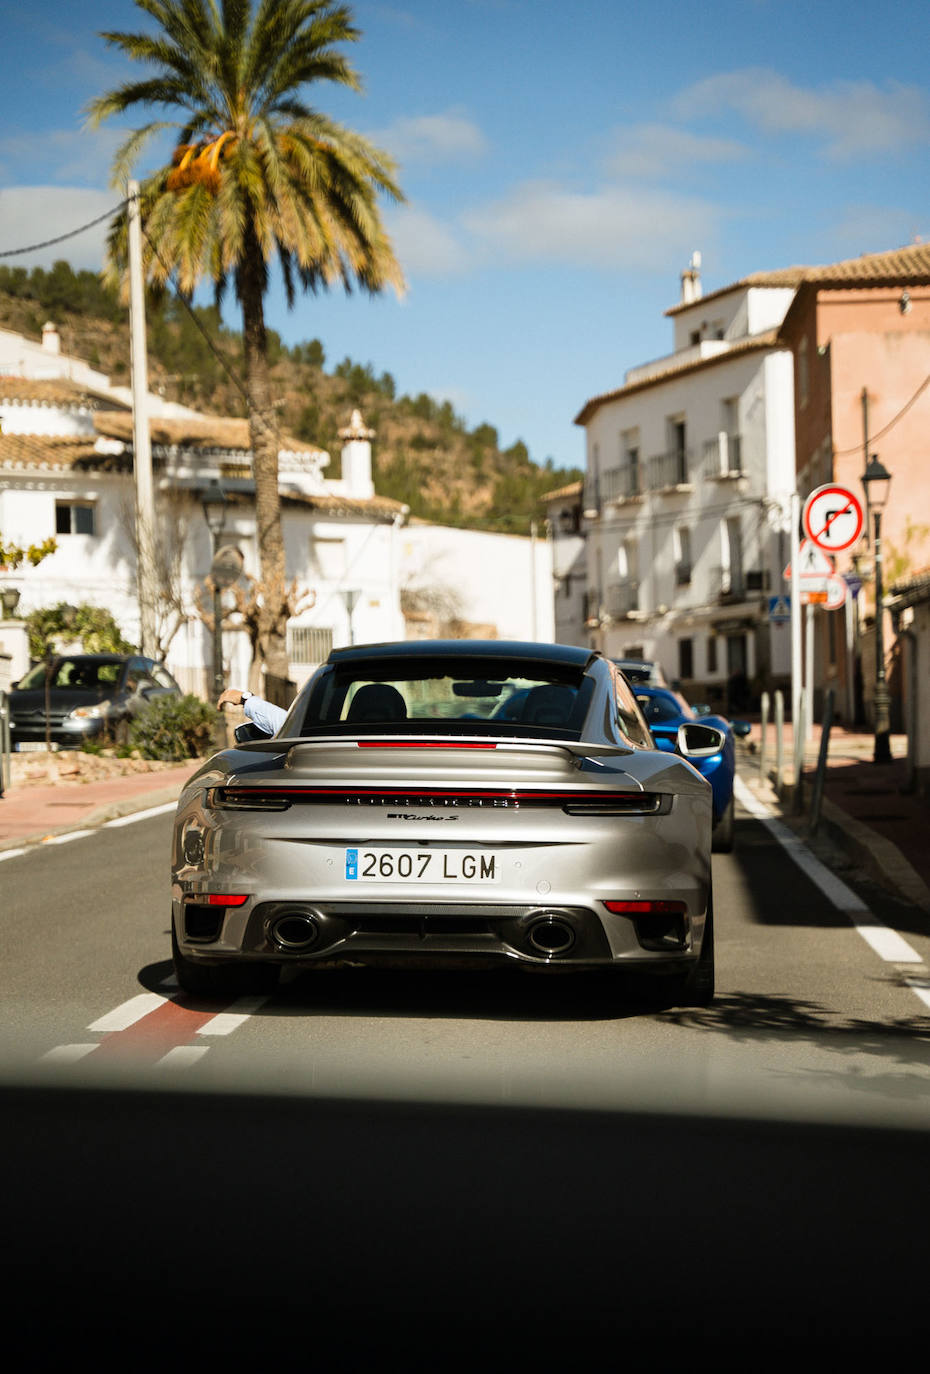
351, 863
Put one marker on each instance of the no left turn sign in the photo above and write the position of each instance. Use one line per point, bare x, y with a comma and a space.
832, 518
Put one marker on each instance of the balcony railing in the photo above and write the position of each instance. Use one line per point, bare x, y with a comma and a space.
723, 456
620, 598
728, 584
669, 470
621, 483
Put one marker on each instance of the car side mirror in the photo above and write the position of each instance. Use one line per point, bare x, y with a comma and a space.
249, 733
696, 741
741, 728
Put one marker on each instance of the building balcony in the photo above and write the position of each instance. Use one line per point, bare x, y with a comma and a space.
621, 483
621, 599
722, 457
670, 471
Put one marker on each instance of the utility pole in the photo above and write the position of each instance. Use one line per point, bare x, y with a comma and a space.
141, 440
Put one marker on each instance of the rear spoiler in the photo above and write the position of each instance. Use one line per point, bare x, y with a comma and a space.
585, 749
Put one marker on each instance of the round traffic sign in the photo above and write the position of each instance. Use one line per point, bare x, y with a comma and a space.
837, 592
832, 518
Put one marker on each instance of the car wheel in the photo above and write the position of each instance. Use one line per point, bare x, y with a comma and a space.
220, 980
721, 840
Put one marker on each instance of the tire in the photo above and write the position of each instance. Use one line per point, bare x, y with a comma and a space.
696, 987
721, 840
220, 980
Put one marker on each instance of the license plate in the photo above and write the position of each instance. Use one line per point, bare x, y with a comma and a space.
422, 866
32, 746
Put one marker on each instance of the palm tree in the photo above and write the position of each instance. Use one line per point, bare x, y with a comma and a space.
256, 175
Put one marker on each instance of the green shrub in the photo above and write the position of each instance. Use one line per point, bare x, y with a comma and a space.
174, 728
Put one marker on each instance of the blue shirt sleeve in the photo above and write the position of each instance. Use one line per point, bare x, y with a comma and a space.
266, 716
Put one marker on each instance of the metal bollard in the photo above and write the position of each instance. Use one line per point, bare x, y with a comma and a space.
763, 743
779, 740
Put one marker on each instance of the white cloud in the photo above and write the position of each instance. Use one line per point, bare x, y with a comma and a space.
424, 246
34, 214
654, 151
436, 138
615, 227
854, 118
66, 155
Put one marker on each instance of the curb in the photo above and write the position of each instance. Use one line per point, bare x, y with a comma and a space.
879, 857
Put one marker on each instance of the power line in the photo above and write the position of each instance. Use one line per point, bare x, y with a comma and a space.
72, 233
873, 438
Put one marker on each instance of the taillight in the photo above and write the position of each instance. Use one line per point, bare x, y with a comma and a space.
227, 898
646, 908
659, 925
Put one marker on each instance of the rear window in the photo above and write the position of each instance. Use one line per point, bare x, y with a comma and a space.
466, 696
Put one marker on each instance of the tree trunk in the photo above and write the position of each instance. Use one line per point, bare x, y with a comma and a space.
263, 432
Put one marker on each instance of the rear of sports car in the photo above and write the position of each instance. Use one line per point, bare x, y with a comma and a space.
415, 853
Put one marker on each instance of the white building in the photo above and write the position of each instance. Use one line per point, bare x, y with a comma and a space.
565, 531
66, 471
689, 465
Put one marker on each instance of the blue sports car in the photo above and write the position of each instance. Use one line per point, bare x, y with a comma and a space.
664, 711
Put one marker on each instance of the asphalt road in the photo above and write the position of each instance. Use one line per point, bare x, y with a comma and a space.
809, 1014
439, 1170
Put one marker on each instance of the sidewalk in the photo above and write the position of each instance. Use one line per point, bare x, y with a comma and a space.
31, 813
865, 811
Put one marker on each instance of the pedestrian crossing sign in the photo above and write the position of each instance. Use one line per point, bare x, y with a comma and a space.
779, 609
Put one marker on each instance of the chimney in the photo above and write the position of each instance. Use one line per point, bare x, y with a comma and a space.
51, 339
691, 289
356, 457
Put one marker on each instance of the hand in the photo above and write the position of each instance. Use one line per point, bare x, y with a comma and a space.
231, 697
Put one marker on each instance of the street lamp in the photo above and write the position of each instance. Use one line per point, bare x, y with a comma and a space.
213, 499
876, 480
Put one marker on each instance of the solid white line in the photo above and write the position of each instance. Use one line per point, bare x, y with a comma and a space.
141, 815
10, 854
128, 1013
225, 1022
64, 839
181, 1057
922, 987
886, 943
69, 1054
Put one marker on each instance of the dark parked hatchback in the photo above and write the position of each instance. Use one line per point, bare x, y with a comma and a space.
76, 697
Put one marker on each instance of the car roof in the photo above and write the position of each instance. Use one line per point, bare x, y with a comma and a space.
562, 654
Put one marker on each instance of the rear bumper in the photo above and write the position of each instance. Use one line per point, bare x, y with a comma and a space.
449, 934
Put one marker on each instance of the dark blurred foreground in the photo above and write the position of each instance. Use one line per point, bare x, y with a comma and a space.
148, 1227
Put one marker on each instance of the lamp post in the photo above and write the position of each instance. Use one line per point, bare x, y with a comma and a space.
213, 500
876, 480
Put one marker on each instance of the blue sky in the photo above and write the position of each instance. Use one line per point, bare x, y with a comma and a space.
561, 160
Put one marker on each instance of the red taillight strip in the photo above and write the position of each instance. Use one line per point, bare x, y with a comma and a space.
266, 793
227, 898
421, 744
646, 908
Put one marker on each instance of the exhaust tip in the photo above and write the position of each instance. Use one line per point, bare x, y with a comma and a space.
551, 934
294, 930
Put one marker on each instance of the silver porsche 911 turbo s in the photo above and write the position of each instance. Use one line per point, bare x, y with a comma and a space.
451, 803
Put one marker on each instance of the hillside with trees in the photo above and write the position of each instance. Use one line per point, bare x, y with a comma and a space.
424, 453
